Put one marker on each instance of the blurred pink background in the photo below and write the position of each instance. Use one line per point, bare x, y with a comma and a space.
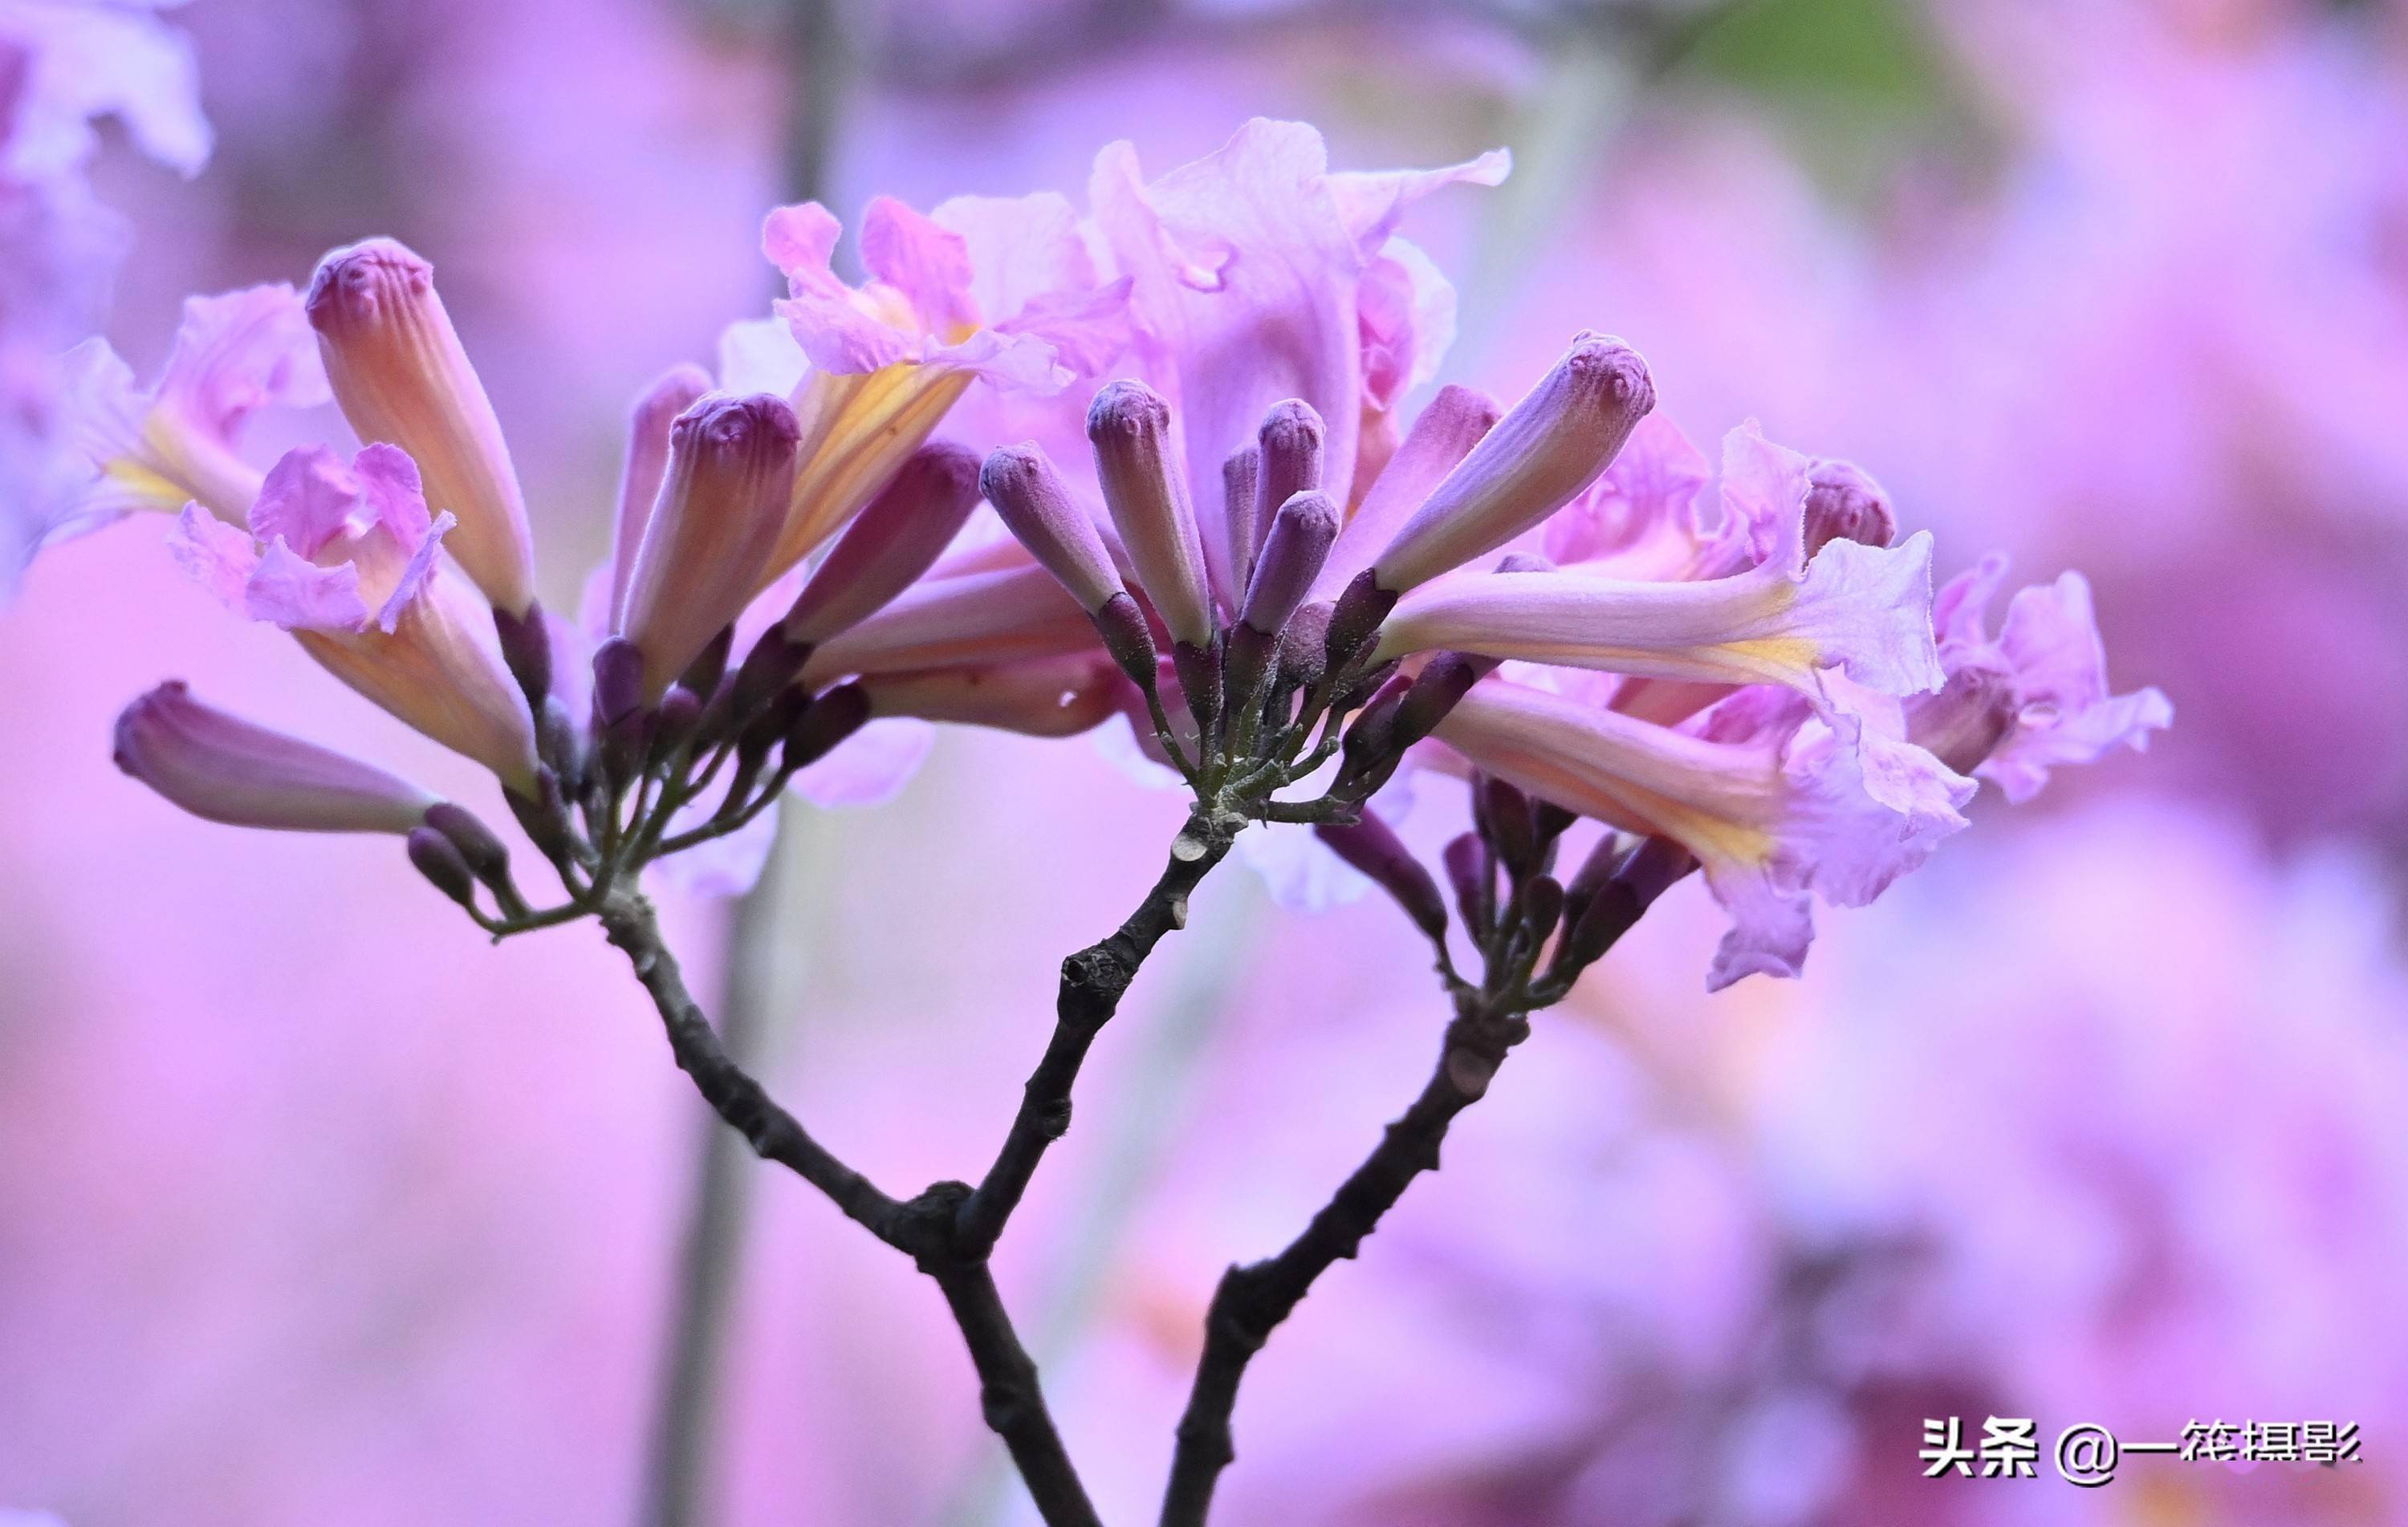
314, 1208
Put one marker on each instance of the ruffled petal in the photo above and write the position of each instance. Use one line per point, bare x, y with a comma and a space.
926, 261
220, 557
311, 497
291, 591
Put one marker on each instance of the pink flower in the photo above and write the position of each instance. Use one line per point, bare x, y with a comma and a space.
174, 443
346, 557
226, 769
1741, 604
1259, 275
2034, 698
1788, 805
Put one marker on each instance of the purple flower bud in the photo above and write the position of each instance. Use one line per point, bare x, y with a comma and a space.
1474, 876
1290, 447
1356, 619
399, 371
1241, 528
1843, 503
1037, 506
439, 861
648, 462
1552, 444
709, 665
221, 767
527, 650
1373, 846
897, 537
1300, 537
474, 842
1128, 638
1368, 746
1455, 420
617, 681
826, 722
1443, 682
1043, 697
1543, 902
1604, 911
1146, 490
1504, 817
768, 668
721, 507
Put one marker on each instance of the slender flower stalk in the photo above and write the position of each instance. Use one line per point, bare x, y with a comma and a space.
402, 376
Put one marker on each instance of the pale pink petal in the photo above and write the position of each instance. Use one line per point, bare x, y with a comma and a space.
240, 352
927, 262
300, 595
310, 497
1370, 202
390, 480
415, 572
220, 557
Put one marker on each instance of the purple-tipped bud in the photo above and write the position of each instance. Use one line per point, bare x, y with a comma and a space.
1373, 846
527, 650
1552, 444
399, 371
544, 816
1455, 420
1543, 902
1602, 912
1129, 426
722, 505
1503, 813
1300, 537
1041, 697
1199, 681
1474, 876
890, 542
1843, 503
709, 665
1370, 745
648, 462
1290, 446
1128, 638
440, 862
1038, 509
1355, 620
1304, 646
768, 669
1443, 682
1965, 721
483, 853
223, 769
679, 717
617, 681
826, 722
1239, 520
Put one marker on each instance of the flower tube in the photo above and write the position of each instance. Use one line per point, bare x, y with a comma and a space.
345, 557
402, 377
226, 769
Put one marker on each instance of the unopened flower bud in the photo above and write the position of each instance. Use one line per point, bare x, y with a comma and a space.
439, 861
709, 665
647, 463
1037, 506
1043, 697
544, 816
479, 849
826, 722
1617, 900
1503, 813
1543, 902
1239, 523
1444, 681
768, 668
1368, 747
1355, 620
1290, 448
223, 769
1129, 426
722, 505
399, 371
1965, 721
1552, 444
526, 649
1300, 538
1843, 503
1373, 847
617, 681
1454, 422
1128, 638
1474, 876
890, 542
679, 717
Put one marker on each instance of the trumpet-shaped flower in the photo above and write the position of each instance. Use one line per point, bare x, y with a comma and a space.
722, 502
944, 305
1863, 610
1260, 275
402, 376
2036, 696
1044, 697
640, 475
974, 619
175, 442
346, 557
219, 767
1792, 804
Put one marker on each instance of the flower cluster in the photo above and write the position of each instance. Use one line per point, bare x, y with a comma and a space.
1249, 553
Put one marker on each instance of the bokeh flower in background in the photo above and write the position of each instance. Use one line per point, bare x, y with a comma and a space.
2091, 1119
